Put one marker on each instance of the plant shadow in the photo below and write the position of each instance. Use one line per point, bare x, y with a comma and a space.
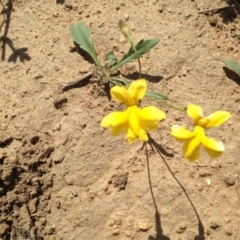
158, 226
150, 78
82, 53
159, 231
232, 75
229, 14
20, 53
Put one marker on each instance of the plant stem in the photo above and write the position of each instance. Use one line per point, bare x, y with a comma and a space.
171, 106
139, 63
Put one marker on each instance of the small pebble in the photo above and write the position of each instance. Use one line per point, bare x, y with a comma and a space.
228, 231
213, 21
229, 180
68, 6
181, 228
115, 232
214, 225
143, 226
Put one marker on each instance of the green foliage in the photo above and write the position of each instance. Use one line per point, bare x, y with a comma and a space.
144, 46
82, 37
156, 96
233, 66
110, 59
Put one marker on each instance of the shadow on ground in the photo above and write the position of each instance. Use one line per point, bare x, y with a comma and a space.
232, 75
20, 53
150, 78
158, 227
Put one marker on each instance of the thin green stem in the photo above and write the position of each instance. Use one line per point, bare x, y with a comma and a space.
171, 106
139, 63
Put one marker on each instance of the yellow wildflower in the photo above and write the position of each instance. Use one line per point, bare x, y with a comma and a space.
193, 140
135, 121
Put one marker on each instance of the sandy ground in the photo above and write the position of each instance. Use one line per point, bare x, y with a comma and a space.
62, 176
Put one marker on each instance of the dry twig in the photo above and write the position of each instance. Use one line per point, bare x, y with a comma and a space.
215, 9
66, 86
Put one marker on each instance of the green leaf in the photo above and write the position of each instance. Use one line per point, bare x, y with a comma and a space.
233, 66
110, 59
157, 96
82, 37
142, 47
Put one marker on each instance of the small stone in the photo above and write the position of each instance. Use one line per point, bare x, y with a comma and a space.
181, 228
122, 39
50, 230
228, 231
208, 232
213, 21
202, 173
229, 180
83, 125
58, 157
209, 182
56, 127
48, 180
128, 233
161, 7
32, 206
126, 17
34, 140
68, 6
43, 220
115, 232
214, 225
143, 226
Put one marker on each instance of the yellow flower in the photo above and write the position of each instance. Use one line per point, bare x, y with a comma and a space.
193, 140
135, 121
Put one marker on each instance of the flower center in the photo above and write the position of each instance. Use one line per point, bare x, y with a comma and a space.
131, 102
202, 122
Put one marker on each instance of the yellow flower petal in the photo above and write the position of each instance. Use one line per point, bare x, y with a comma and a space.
218, 118
149, 117
191, 149
181, 133
143, 135
194, 112
120, 94
191, 146
211, 145
135, 131
117, 122
137, 89
131, 136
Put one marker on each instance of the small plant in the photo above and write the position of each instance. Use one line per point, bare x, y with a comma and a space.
82, 37
136, 121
